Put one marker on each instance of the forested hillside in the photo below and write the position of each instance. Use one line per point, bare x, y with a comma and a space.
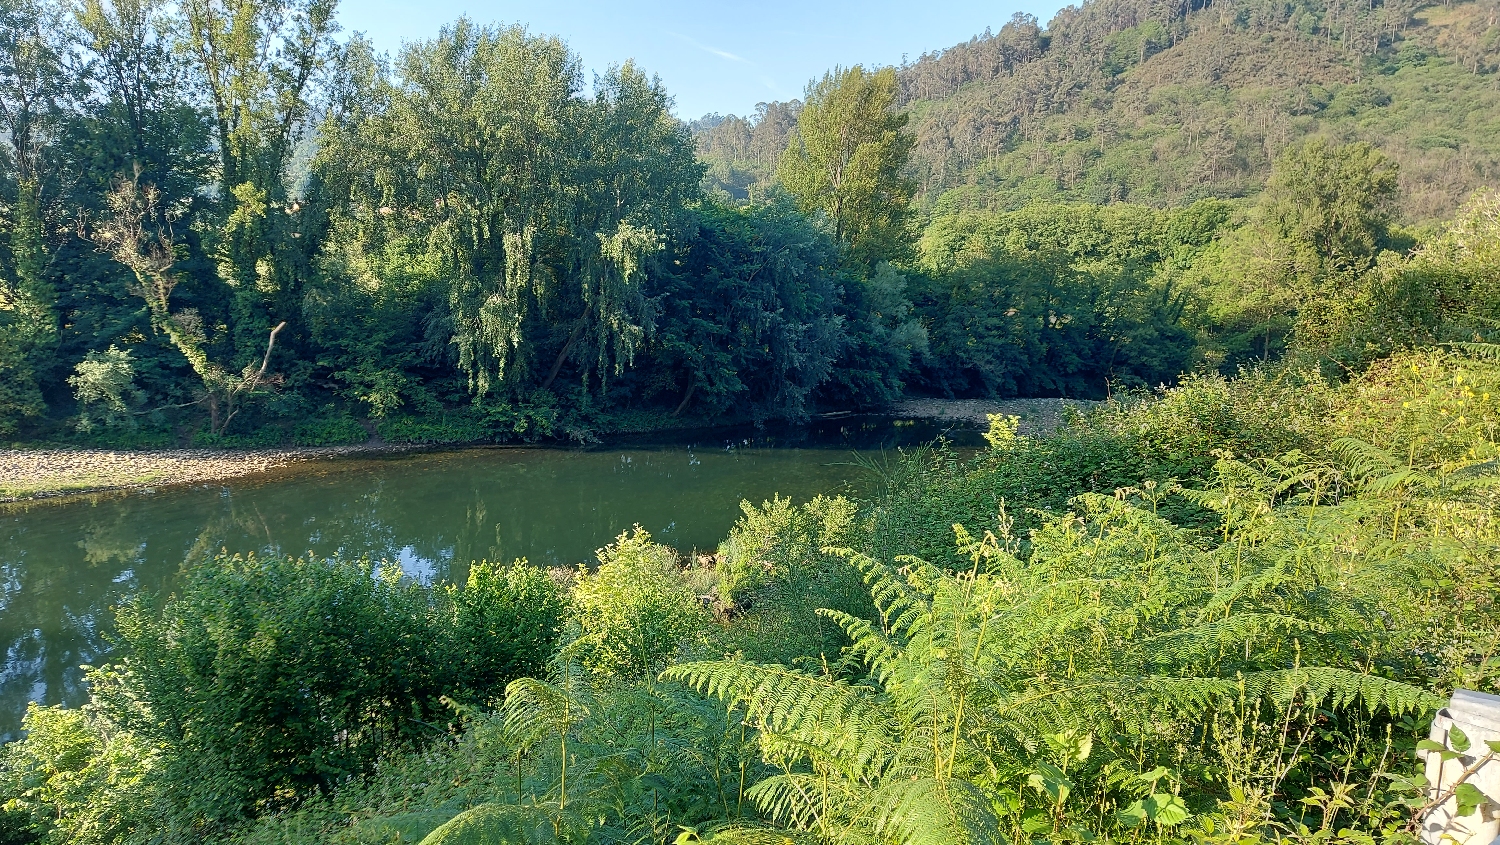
1165, 103
230, 225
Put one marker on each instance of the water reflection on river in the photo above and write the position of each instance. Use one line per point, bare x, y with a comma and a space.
63, 566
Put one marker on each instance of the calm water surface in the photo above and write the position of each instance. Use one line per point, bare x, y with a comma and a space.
64, 565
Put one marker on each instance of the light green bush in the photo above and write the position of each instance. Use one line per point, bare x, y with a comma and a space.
636, 611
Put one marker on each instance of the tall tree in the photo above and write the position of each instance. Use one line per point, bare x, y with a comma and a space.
1337, 200
36, 83
145, 124
481, 169
634, 176
258, 62
845, 161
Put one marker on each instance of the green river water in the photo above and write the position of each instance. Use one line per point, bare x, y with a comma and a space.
63, 565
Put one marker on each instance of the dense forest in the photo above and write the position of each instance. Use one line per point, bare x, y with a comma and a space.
1218, 607
227, 225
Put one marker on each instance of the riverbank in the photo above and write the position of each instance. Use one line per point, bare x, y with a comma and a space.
42, 473
28, 474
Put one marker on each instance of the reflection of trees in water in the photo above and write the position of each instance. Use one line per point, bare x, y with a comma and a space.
59, 585
63, 569
62, 566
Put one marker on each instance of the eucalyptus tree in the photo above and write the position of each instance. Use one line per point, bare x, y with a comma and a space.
480, 167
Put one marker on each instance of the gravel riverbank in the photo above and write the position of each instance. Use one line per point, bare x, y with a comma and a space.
40, 473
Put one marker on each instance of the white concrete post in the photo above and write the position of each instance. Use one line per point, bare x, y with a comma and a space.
1478, 716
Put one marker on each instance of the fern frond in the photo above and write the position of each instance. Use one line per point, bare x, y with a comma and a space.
1320, 685
892, 594
843, 722
867, 642
534, 709
744, 835
809, 801
928, 811
1183, 646
1487, 351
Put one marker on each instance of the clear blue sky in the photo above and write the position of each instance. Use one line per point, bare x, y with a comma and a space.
722, 57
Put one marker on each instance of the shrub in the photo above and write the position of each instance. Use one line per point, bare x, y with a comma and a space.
429, 431
341, 430
505, 621
636, 611
774, 567
779, 541
265, 679
75, 780
104, 384
265, 437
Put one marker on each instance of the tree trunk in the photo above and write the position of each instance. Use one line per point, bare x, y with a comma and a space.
685, 397
563, 355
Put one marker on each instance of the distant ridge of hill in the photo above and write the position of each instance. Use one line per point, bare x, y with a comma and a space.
1166, 102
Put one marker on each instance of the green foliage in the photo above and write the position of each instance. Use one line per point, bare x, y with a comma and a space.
635, 612
1446, 292
1056, 299
504, 623
604, 180
404, 261
751, 323
1128, 102
774, 573
74, 779
266, 679
19, 397
1096, 657
1247, 655
104, 384
1335, 200
845, 160
333, 431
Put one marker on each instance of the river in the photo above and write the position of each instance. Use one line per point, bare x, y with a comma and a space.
64, 565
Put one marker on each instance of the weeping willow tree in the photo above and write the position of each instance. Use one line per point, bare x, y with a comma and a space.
479, 166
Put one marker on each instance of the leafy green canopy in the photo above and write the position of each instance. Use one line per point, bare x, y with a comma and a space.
845, 160
479, 166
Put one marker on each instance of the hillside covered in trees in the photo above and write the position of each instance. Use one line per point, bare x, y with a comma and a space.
229, 225
1165, 103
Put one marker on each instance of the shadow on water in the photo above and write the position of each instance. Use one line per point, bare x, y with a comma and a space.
63, 566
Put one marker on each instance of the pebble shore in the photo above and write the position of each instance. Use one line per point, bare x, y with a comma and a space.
41, 473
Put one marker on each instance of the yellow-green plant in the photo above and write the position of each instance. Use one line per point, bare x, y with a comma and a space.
635, 611
1053, 696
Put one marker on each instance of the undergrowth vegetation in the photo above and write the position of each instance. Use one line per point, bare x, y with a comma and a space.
1218, 613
